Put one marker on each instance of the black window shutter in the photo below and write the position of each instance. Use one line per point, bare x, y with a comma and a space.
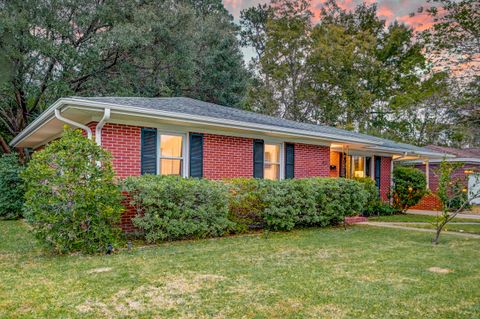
149, 151
378, 165
258, 158
289, 160
196, 155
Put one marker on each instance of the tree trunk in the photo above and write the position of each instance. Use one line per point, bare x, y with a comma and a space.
3, 144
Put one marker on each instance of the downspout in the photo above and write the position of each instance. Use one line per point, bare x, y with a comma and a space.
59, 116
98, 128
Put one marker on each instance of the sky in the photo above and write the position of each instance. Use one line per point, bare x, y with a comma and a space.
389, 10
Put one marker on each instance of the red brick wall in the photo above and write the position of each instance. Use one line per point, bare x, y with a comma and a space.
429, 202
432, 202
335, 160
123, 142
227, 156
311, 161
385, 177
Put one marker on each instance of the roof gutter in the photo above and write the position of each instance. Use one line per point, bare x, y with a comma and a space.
59, 116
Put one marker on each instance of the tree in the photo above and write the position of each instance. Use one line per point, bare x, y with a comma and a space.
149, 48
349, 70
452, 44
453, 195
53, 49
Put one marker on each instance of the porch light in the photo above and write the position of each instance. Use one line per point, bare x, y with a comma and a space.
334, 145
468, 171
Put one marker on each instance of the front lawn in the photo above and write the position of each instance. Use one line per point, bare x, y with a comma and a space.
364, 272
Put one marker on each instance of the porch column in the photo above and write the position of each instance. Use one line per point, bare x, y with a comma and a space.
427, 173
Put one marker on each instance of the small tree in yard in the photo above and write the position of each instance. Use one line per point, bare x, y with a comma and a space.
453, 195
71, 199
409, 186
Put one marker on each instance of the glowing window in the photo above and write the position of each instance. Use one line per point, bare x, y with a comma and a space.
271, 168
171, 155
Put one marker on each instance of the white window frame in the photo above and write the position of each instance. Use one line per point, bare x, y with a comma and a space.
184, 156
281, 155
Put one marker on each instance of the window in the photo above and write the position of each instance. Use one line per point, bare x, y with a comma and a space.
271, 166
358, 166
355, 166
171, 155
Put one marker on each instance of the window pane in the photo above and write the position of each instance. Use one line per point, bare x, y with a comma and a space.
170, 146
272, 153
271, 171
358, 166
170, 167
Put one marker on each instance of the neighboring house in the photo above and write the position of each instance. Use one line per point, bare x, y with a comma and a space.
467, 173
187, 137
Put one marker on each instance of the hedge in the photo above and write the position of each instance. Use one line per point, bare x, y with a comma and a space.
171, 208
11, 187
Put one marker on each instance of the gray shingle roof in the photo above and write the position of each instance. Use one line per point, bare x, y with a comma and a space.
200, 108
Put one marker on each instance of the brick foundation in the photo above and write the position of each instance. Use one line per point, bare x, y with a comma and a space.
429, 202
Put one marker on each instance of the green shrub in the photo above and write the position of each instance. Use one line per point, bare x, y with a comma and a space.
71, 199
11, 187
373, 197
312, 202
246, 203
172, 207
409, 186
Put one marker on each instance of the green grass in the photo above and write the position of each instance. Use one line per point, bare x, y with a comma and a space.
364, 272
450, 227
413, 218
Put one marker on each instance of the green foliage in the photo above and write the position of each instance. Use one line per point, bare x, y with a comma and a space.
172, 207
373, 198
246, 202
146, 48
312, 202
11, 187
71, 200
409, 186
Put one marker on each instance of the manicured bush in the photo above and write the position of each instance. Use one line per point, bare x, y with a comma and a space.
312, 202
11, 187
373, 197
246, 203
71, 199
409, 186
172, 207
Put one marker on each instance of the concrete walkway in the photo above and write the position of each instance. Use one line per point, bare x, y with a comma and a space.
425, 230
435, 213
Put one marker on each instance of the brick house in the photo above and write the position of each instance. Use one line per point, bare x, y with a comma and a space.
466, 174
192, 138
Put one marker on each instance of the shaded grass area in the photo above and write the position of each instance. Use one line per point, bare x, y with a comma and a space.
364, 272
450, 227
413, 218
